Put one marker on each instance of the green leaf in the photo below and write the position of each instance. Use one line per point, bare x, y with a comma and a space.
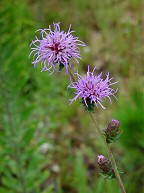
29, 135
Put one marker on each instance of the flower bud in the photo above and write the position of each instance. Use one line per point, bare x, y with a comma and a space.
106, 167
113, 131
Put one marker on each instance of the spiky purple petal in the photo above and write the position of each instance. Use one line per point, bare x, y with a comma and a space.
92, 87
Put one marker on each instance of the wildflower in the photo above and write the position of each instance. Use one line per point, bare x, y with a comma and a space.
56, 48
92, 89
106, 167
113, 131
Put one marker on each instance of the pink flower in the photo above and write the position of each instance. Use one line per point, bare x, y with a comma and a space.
93, 89
56, 47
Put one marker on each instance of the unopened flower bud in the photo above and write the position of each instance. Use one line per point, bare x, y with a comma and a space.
113, 131
106, 167
104, 164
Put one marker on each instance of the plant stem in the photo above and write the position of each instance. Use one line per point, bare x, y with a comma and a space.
72, 76
106, 145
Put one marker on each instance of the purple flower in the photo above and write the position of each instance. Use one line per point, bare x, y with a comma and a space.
56, 48
93, 89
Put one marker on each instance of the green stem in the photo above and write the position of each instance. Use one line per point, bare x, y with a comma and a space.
113, 162
107, 147
72, 76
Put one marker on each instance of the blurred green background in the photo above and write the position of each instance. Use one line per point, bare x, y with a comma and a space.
47, 146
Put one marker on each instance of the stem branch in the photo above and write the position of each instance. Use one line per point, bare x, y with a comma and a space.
106, 145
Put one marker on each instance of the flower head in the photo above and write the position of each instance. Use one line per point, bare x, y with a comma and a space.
56, 47
106, 167
93, 89
113, 132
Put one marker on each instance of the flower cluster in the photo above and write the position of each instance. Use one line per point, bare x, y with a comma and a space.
93, 89
56, 48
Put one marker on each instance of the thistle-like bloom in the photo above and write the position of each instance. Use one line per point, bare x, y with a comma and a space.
93, 89
56, 48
